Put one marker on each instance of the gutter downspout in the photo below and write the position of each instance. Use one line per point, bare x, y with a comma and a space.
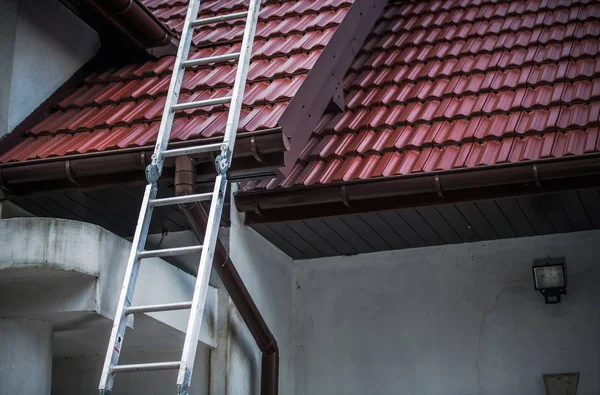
185, 184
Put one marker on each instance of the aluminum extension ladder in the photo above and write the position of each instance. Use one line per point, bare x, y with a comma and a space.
186, 364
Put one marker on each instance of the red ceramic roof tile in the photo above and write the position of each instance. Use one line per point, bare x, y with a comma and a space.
120, 107
441, 85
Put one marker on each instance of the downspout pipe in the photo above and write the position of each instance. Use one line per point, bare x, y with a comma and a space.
185, 184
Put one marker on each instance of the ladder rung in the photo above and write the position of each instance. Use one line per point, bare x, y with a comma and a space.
200, 103
220, 18
158, 307
210, 59
199, 149
140, 367
169, 252
181, 199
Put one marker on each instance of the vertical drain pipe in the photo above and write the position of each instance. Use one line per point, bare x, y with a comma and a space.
185, 184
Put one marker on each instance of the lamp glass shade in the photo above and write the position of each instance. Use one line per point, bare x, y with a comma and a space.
548, 277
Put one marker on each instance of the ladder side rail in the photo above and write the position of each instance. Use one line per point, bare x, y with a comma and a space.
216, 209
117, 334
237, 94
190, 345
154, 170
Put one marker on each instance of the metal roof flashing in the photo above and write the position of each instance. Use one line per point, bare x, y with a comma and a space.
325, 78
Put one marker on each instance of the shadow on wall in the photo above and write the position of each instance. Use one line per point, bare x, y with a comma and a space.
543, 338
243, 360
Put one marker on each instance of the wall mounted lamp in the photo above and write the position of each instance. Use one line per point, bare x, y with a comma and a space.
551, 280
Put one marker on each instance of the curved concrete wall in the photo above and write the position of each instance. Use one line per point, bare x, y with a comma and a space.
64, 250
50, 243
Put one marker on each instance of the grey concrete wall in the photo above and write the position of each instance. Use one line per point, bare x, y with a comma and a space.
80, 375
451, 320
267, 272
43, 44
25, 357
69, 274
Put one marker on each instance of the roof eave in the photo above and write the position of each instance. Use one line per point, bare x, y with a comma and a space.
486, 182
257, 155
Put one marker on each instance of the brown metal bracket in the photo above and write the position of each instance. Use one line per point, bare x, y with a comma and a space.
3, 188
345, 198
438, 186
143, 160
536, 176
70, 174
257, 208
256, 152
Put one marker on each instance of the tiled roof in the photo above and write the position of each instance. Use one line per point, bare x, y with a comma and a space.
448, 84
121, 107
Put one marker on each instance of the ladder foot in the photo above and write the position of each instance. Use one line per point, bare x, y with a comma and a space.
184, 387
182, 390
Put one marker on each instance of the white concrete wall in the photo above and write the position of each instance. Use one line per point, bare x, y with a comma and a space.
451, 320
80, 375
69, 274
50, 44
267, 273
25, 352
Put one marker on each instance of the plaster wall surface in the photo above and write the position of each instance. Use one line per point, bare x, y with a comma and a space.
68, 274
25, 357
43, 44
33, 250
267, 273
452, 320
80, 375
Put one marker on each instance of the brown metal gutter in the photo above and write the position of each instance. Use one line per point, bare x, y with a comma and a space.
421, 189
255, 154
136, 21
185, 184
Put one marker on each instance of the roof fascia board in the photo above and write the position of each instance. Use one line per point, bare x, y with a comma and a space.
256, 156
423, 189
308, 105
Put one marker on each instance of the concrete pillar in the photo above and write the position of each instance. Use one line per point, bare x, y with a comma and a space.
25, 357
